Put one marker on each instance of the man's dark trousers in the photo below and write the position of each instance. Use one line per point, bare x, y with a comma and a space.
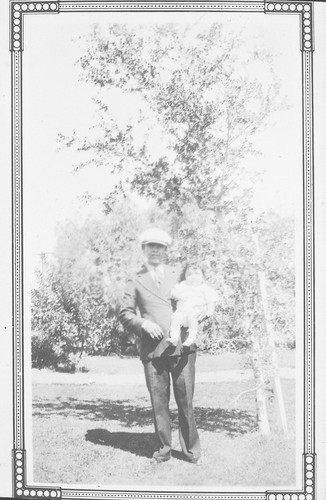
182, 370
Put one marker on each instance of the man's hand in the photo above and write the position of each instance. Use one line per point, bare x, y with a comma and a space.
153, 329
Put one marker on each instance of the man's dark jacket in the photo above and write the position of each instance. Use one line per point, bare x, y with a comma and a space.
144, 300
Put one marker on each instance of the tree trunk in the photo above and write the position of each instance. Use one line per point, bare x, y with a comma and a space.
262, 415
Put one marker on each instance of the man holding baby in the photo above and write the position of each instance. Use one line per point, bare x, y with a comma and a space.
147, 311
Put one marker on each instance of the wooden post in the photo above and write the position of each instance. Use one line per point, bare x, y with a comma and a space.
280, 400
271, 344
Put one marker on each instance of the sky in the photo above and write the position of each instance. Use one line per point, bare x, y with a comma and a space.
55, 101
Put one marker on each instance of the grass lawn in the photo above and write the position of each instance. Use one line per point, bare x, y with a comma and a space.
205, 362
103, 435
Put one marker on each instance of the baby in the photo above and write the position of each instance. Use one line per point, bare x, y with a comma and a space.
195, 300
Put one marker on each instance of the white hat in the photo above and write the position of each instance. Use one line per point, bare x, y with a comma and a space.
155, 235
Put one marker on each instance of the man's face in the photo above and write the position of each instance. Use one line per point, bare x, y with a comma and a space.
155, 253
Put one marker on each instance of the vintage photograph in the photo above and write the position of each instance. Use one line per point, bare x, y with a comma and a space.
163, 250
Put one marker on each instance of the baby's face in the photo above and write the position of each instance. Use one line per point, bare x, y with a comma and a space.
194, 276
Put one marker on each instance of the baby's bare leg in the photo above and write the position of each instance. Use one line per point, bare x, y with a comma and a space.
193, 328
176, 323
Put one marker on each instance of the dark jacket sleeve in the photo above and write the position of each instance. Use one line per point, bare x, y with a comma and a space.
128, 312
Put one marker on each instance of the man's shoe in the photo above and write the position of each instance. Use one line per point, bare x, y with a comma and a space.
192, 460
161, 457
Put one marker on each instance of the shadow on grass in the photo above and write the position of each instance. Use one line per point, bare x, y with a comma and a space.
230, 421
140, 443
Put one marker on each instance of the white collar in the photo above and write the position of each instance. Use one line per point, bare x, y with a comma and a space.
154, 269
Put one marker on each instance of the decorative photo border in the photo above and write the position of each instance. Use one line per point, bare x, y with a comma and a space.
304, 10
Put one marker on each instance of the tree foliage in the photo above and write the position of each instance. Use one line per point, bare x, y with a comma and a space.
199, 91
79, 292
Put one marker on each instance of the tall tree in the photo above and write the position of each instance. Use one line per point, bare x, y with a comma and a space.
197, 100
